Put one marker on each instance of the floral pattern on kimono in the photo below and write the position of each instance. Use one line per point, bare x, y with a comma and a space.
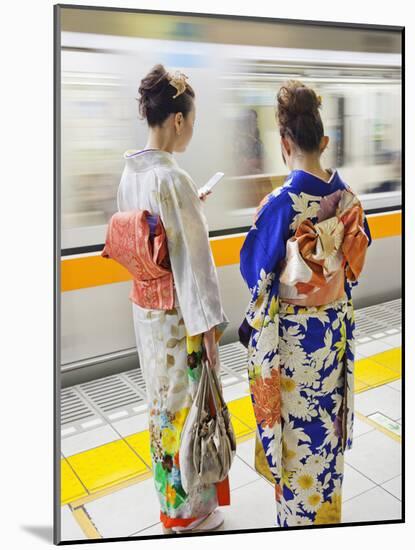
171, 362
300, 361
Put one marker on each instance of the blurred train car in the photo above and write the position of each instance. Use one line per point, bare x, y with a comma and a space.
236, 133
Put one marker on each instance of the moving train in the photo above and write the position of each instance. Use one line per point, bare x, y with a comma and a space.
235, 132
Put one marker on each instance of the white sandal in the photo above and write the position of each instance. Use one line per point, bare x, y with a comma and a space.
208, 523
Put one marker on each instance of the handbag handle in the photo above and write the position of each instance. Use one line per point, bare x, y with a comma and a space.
218, 387
215, 389
201, 398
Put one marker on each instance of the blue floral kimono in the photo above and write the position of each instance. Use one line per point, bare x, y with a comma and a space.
307, 236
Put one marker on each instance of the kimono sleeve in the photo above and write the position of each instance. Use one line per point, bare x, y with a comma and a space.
191, 259
261, 259
265, 245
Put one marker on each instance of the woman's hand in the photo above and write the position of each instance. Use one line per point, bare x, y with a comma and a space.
210, 348
203, 196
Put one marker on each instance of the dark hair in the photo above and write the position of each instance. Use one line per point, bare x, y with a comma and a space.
298, 115
156, 101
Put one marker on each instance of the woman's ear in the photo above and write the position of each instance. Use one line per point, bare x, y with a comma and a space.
324, 143
285, 145
178, 122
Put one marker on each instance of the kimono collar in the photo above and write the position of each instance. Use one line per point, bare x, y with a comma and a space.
304, 181
143, 159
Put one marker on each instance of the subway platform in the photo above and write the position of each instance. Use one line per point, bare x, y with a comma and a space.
106, 484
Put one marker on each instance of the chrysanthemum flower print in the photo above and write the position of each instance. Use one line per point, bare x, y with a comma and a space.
268, 338
312, 501
316, 463
296, 520
297, 406
329, 511
291, 355
267, 399
304, 482
331, 437
307, 375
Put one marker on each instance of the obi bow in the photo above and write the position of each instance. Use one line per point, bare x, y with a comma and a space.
318, 251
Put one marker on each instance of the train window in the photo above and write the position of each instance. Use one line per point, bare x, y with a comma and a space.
235, 125
92, 117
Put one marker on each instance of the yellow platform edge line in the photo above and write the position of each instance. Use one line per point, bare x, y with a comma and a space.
85, 523
90, 271
382, 429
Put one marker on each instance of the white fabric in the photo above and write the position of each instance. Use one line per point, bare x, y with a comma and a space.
152, 180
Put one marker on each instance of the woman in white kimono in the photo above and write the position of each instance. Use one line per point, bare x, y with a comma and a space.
170, 343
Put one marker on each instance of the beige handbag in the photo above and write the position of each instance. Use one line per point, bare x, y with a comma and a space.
208, 444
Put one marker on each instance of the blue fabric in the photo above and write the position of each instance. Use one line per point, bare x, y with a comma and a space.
321, 434
152, 221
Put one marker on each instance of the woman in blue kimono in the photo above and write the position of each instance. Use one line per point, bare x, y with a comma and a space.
301, 257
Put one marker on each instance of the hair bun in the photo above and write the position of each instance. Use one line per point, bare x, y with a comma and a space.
154, 81
296, 99
298, 115
151, 87
156, 96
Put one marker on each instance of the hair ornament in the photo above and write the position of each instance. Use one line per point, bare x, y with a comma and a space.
178, 81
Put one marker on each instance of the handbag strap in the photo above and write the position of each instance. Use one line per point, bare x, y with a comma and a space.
202, 394
215, 390
218, 387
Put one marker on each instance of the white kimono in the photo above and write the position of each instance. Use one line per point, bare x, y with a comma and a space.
153, 180
169, 342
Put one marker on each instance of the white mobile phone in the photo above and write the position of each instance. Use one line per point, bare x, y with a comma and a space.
211, 183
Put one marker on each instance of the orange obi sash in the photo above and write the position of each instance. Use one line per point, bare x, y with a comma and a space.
320, 255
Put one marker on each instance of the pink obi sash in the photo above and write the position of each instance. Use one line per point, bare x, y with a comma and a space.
130, 243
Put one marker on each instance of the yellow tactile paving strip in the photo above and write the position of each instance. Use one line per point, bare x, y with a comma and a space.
71, 486
91, 474
381, 368
239, 410
101, 468
140, 442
